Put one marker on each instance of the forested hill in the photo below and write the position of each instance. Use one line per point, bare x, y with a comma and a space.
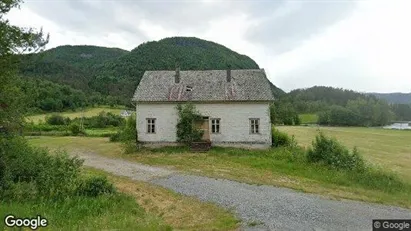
116, 73
337, 106
402, 98
69, 65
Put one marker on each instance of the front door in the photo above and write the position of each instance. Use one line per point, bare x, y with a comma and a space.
203, 125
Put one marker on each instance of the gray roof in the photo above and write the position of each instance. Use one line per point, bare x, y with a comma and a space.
208, 85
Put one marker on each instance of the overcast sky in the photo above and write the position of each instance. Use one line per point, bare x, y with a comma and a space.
359, 45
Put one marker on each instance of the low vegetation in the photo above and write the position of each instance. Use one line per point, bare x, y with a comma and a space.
34, 182
87, 112
281, 139
103, 124
388, 149
281, 166
331, 153
187, 116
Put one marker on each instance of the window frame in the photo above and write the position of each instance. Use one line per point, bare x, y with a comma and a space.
214, 123
152, 129
254, 126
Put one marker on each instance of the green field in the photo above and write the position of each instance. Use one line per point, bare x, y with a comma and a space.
389, 148
308, 118
101, 132
89, 112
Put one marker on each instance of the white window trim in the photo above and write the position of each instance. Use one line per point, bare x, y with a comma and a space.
215, 122
151, 122
253, 128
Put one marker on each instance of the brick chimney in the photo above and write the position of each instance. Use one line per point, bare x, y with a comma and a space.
228, 73
177, 75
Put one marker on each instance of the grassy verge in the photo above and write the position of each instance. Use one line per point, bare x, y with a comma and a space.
277, 167
116, 211
137, 206
119, 212
178, 211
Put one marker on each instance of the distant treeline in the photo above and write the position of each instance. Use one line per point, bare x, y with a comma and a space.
338, 107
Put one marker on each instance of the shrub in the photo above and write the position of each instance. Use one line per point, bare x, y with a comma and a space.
128, 132
186, 130
95, 186
32, 171
102, 120
115, 137
297, 120
280, 138
56, 119
330, 152
129, 146
75, 129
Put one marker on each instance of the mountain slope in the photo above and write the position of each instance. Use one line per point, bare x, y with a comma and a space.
71, 65
116, 72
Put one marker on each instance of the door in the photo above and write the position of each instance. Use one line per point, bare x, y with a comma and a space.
203, 125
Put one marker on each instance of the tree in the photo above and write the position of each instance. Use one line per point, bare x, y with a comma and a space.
14, 40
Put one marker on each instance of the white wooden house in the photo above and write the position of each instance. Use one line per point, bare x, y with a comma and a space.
234, 105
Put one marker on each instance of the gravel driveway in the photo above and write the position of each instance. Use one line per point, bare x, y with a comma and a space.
260, 207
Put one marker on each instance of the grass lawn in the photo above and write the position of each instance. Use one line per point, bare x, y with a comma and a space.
87, 113
308, 118
271, 167
389, 148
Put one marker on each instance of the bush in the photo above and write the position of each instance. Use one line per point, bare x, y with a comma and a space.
115, 137
280, 138
128, 132
297, 120
186, 130
56, 119
129, 146
30, 172
95, 186
102, 120
75, 129
330, 152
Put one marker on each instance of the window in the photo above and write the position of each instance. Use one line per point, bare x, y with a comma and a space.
189, 88
255, 126
151, 125
215, 125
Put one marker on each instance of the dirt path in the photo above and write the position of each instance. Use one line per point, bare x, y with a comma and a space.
260, 207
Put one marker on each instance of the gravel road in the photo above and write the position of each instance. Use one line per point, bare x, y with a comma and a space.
259, 207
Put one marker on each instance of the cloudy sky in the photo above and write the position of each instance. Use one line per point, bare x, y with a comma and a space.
360, 45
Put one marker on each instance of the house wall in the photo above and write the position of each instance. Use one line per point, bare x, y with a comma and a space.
234, 122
